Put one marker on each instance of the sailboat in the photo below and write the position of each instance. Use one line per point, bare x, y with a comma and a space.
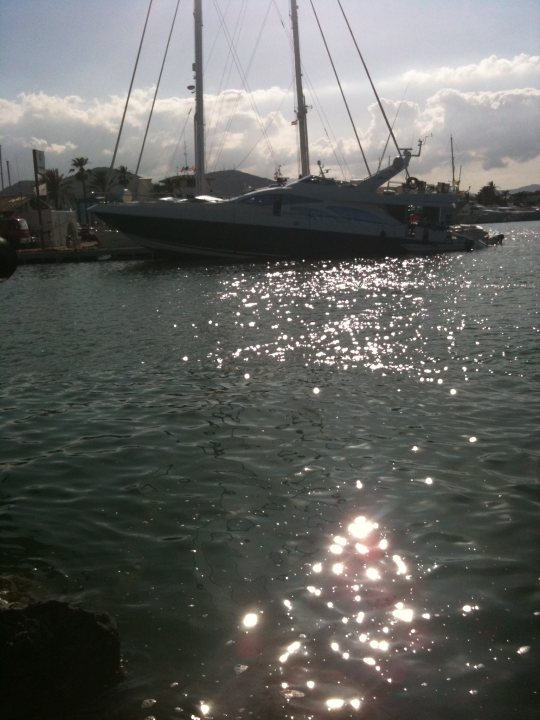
312, 217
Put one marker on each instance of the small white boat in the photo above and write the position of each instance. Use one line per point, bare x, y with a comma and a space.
458, 238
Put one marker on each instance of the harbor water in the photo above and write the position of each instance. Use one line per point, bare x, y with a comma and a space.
302, 490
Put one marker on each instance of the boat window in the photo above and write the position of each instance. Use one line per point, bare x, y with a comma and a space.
269, 199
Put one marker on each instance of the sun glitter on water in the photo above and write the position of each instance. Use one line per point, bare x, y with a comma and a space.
362, 611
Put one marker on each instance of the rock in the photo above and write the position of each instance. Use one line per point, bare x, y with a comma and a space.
8, 259
54, 657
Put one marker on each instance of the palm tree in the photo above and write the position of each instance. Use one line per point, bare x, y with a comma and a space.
78, 166
489, 194
53, 180
100, 180
122, 176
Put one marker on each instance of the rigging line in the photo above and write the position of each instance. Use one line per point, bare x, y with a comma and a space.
278, 11
182, 134
220, 103
225, 69
341, 162
323, 117
246, 84
393, 123
157, 87
338, 155
319, 109
390, 128
243, 75
340, 88
250, 63
221, 98
225, 72
276, 113
270, 122
130, 89
209, 55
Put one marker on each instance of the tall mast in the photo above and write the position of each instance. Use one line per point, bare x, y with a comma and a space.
200, 175
453, 165
301, 108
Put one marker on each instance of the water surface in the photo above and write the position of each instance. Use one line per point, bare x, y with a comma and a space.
304, 490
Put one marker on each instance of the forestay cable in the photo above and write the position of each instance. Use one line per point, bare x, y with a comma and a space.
130, 89
157, 87
390, 128
340, 88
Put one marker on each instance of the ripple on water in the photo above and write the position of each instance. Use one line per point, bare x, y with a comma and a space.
190, 448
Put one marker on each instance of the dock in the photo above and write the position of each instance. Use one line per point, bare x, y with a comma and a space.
110, 247
70, 255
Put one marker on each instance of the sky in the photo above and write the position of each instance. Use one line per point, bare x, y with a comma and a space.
466, 69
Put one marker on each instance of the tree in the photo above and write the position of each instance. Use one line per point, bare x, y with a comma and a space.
53, 180
100, 180
78, 166
122, 176
489, 195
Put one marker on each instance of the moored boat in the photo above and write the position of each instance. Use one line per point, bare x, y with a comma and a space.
313, 217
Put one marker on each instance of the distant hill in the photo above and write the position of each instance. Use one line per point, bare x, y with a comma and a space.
526, 188
23, 188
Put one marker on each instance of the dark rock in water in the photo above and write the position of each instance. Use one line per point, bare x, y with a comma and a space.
54, 657
8, 259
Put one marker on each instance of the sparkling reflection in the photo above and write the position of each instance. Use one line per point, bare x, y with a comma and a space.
348, 315
362, 616
341, 637
250, 620
370, 587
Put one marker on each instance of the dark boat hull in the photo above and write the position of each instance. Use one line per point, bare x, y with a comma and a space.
222, 241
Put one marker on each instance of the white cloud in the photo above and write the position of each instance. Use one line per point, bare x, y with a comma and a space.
11, 112
45, 146
493, 128
488, 69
